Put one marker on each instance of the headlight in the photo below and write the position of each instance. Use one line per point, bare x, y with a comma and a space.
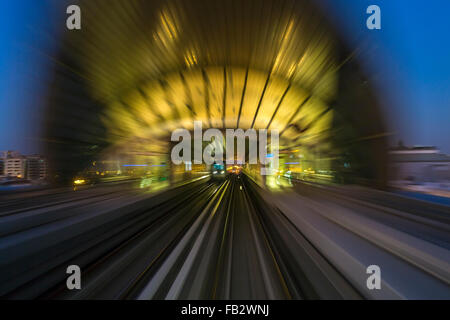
222, 172
214, 172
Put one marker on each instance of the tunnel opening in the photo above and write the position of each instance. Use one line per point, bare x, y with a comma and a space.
229, 64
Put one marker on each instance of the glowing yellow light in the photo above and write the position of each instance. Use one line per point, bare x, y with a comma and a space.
168, 25
291, 70
79, 181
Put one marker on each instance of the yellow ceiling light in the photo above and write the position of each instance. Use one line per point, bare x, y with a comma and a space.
218, 64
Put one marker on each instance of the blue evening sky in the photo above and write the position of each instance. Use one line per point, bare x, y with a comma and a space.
409, 60
28, 33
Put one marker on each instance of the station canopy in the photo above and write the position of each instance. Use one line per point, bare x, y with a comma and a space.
160, 65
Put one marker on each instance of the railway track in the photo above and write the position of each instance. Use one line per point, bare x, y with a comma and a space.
200, 240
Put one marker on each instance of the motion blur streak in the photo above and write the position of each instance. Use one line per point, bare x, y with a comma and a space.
223, 240
140, 227
141, 69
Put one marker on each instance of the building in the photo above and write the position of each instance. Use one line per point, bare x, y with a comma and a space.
36, 167
9, 154
419, 164
15, 167
2, 168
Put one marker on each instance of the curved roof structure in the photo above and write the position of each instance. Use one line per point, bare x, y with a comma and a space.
140, 69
